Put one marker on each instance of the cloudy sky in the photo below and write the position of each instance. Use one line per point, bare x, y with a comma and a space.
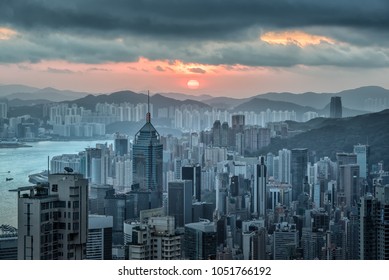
229, 48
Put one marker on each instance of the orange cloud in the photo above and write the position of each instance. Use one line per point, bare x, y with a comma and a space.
298, 38
6, 33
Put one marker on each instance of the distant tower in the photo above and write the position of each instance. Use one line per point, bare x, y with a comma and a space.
336, 107
147, 155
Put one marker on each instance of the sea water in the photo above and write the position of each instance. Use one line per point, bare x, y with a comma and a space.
18, 163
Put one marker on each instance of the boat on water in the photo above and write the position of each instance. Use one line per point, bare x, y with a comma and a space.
8, 179
12, 144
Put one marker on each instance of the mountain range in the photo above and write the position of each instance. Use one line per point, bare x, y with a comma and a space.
326, 137
355, 101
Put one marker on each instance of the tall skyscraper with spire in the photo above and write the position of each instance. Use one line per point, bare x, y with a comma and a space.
147, 161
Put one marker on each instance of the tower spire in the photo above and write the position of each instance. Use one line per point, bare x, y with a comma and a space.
148, 115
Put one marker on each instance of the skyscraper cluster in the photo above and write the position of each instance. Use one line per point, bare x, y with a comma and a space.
206, 195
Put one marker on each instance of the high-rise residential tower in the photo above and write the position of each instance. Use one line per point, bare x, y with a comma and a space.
53, 219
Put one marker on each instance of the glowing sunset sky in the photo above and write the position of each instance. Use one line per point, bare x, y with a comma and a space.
232, 48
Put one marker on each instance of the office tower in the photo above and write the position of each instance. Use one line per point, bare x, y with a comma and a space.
349, 184
285, 241
200, 241
259, 192
121, 144
382, 196
180, 201
284, 166
299, 164
147, 162
193, 173
367, 216
97, 195
8, 243
99, 244
363, 153
336, 107
202, 210
53, 219
124, 206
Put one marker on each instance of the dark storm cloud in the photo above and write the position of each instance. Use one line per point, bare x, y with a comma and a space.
191, 18
221, 32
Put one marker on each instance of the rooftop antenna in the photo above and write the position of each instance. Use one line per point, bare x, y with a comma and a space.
148, 115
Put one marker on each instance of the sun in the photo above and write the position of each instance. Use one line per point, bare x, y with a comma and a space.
193, 84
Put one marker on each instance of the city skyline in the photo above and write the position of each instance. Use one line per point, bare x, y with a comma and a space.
238, 48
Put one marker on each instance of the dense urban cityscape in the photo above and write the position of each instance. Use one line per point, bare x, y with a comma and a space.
134, 132
207, 194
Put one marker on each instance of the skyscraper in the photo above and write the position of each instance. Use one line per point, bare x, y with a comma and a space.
147, 157
336, 107
200, 241
299, 163
284, 160
363, 153
180, 201
193, 173
259, 192
53, 219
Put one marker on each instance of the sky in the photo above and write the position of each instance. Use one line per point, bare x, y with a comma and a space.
228, 48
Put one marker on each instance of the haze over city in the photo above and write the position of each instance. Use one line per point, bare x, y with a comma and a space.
229, 48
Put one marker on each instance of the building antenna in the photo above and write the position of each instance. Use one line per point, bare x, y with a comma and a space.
148, 115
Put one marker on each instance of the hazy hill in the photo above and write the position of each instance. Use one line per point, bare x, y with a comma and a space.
157, 100
328, 136
261, 104
9, 89
353, 98
182, 96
